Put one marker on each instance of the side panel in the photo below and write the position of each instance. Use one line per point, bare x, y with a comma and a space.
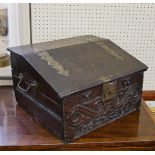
40, 113
92, 108
34, 95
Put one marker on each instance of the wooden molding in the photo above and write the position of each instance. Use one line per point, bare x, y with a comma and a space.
148, 95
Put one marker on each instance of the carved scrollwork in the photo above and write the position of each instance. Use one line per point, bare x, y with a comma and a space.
81, 112
94, 112
131, 95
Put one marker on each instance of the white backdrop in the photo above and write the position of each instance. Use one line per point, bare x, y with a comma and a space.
131, 26
19, 33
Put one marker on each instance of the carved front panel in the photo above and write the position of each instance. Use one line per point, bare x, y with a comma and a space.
95, 107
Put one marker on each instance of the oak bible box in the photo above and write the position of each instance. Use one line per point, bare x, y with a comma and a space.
76, 85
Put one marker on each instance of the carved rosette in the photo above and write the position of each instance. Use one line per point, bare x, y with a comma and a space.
93, 112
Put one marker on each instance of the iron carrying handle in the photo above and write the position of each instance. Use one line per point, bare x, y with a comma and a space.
21, 77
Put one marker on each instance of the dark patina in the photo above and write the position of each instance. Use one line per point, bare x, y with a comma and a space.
73, 86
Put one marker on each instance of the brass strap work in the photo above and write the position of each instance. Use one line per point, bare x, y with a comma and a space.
109, 50
5, 61
53, 63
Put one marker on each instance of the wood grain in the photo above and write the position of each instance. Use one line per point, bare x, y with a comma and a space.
18, 131
149, 95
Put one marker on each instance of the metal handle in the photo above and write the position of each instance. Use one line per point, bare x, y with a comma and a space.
33, 83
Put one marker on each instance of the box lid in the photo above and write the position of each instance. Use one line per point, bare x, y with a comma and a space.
73, 64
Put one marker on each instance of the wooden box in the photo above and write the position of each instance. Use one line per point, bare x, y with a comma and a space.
76, 85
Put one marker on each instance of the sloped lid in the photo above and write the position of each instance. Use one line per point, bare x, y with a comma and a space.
72, 64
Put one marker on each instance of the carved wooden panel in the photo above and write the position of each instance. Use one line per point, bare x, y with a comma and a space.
92, 108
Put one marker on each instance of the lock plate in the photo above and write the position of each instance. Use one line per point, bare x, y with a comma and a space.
109, 90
